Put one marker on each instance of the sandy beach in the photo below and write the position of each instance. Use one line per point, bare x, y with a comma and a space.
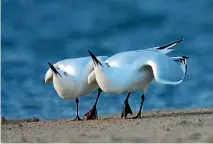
184, 125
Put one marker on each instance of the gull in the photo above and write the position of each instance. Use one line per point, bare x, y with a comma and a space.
128, 71
70, 80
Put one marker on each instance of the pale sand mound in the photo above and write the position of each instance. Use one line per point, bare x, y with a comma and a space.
188, 125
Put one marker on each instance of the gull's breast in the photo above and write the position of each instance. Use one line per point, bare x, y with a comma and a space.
66, 89
66, 93
110, 85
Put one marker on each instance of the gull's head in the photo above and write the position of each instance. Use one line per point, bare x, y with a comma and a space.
107, 75
102, 73
63, 80
59, 74
54, 70
98, 64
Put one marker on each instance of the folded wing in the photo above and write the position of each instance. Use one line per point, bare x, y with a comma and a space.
164, 69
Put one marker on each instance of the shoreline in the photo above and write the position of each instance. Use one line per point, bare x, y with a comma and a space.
176, 125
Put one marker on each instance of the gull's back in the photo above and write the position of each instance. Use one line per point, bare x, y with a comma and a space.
125, 58
82, 66
79, 66
129, 57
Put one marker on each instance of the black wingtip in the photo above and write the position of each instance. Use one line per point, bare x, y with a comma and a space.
170, 44
179, 41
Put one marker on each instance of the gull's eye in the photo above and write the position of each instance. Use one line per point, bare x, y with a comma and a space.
65, 73
107, 64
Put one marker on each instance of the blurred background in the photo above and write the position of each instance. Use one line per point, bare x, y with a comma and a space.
37, 31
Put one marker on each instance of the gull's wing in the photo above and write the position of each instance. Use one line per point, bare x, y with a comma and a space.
164, 69
48, 76
91, 77
165, 48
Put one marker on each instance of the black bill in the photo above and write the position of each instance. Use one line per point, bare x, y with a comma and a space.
95, 60
54, 69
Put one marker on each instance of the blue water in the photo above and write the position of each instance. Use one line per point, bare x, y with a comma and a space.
37, 31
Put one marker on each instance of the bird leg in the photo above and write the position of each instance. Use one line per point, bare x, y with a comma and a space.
77, 116
139, 112
126, 108
92, 113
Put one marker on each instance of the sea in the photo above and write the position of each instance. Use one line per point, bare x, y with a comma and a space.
34, 32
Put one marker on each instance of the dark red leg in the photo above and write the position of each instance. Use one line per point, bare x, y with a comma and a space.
92, 113
77, 116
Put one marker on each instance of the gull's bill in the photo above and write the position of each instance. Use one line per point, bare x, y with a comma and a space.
54, 69
94, 58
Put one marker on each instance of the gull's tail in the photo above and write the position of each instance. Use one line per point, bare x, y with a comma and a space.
182, 62
165, 48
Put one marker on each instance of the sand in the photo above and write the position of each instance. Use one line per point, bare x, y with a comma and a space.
185, 125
